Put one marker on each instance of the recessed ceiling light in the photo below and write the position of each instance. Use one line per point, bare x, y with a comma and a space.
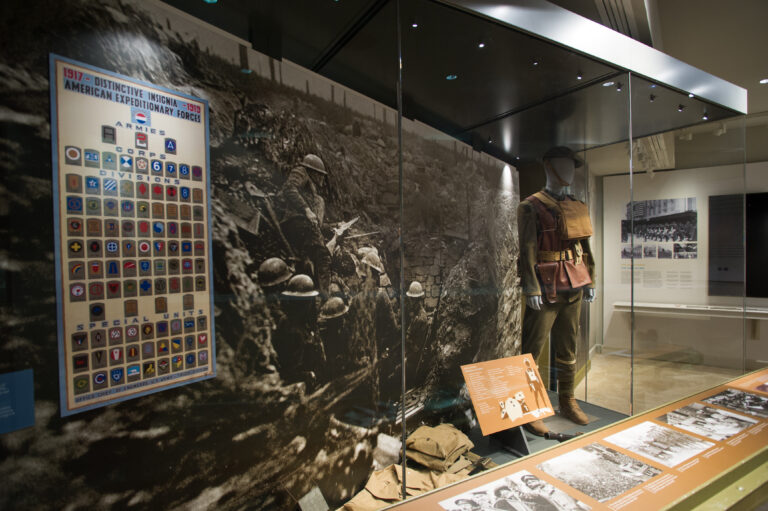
764, 81
451, 77
414, 25
579, 77
481, 45
535, 62
608, 84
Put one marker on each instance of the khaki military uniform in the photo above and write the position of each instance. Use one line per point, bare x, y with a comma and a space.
548, 268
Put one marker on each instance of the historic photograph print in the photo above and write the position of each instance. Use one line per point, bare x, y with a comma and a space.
521, 491
741, 401
599, 471
663, 445
707, 421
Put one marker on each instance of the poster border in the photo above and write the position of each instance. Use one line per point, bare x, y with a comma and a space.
65, 411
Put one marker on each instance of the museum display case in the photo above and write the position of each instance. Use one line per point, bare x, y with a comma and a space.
356, 204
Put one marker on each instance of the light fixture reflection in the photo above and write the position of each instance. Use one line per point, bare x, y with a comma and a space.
507, 139
506, 180
451, 77
764, 81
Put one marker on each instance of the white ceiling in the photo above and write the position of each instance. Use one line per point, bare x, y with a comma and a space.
728, 39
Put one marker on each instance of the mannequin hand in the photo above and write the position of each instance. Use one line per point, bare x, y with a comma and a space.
534, 302
589, 295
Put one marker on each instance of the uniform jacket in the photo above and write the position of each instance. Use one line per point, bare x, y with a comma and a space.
535, 237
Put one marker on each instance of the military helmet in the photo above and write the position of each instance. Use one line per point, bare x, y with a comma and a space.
415, 290
301, 285
372, 260
364, 250
312, 161
333, 308
335, 290
273, 271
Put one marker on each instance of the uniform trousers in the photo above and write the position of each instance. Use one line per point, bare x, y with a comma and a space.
562, 320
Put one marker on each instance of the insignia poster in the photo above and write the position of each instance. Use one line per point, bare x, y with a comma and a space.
506, 392
132, 227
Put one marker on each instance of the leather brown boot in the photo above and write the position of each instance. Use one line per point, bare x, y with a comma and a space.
570, 409
537, 428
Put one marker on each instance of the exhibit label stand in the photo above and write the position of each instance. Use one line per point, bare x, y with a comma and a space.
513, 440
507, 393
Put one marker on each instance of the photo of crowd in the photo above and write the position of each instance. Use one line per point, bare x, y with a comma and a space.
521, 491
707, 421
663, 445
660, 229
599, 471
741, 401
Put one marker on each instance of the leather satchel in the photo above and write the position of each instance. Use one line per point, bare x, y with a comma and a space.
578, 273
574, 220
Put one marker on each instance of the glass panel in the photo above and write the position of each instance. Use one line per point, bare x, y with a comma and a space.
463, 181
685, 222
756, 219
607, 381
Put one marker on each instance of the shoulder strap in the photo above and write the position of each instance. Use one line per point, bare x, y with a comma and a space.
546, 200
546, 210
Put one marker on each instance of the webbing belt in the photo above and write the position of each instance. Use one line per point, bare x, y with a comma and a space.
546, 256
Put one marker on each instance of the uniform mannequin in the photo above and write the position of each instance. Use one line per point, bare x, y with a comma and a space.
559, 172
557, 271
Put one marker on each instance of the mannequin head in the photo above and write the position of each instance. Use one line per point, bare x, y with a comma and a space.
559, 172
560, 164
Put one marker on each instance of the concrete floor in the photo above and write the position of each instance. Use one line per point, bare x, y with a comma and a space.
656, 382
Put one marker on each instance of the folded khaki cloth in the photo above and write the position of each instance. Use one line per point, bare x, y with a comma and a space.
384, 487
437, 448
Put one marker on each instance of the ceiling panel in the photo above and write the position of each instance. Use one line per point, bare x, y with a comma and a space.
513, 97
512, 71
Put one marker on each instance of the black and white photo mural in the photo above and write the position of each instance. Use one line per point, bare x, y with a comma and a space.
660, 228
307, 278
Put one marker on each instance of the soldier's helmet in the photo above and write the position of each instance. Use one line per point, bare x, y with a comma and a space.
335, 290
372, 259
300, 285
415, 290
273, 271
312, 161
333, 308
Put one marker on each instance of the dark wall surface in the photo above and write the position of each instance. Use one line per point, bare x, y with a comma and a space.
299, 399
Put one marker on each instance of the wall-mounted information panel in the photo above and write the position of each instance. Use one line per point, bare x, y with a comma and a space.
132, 224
